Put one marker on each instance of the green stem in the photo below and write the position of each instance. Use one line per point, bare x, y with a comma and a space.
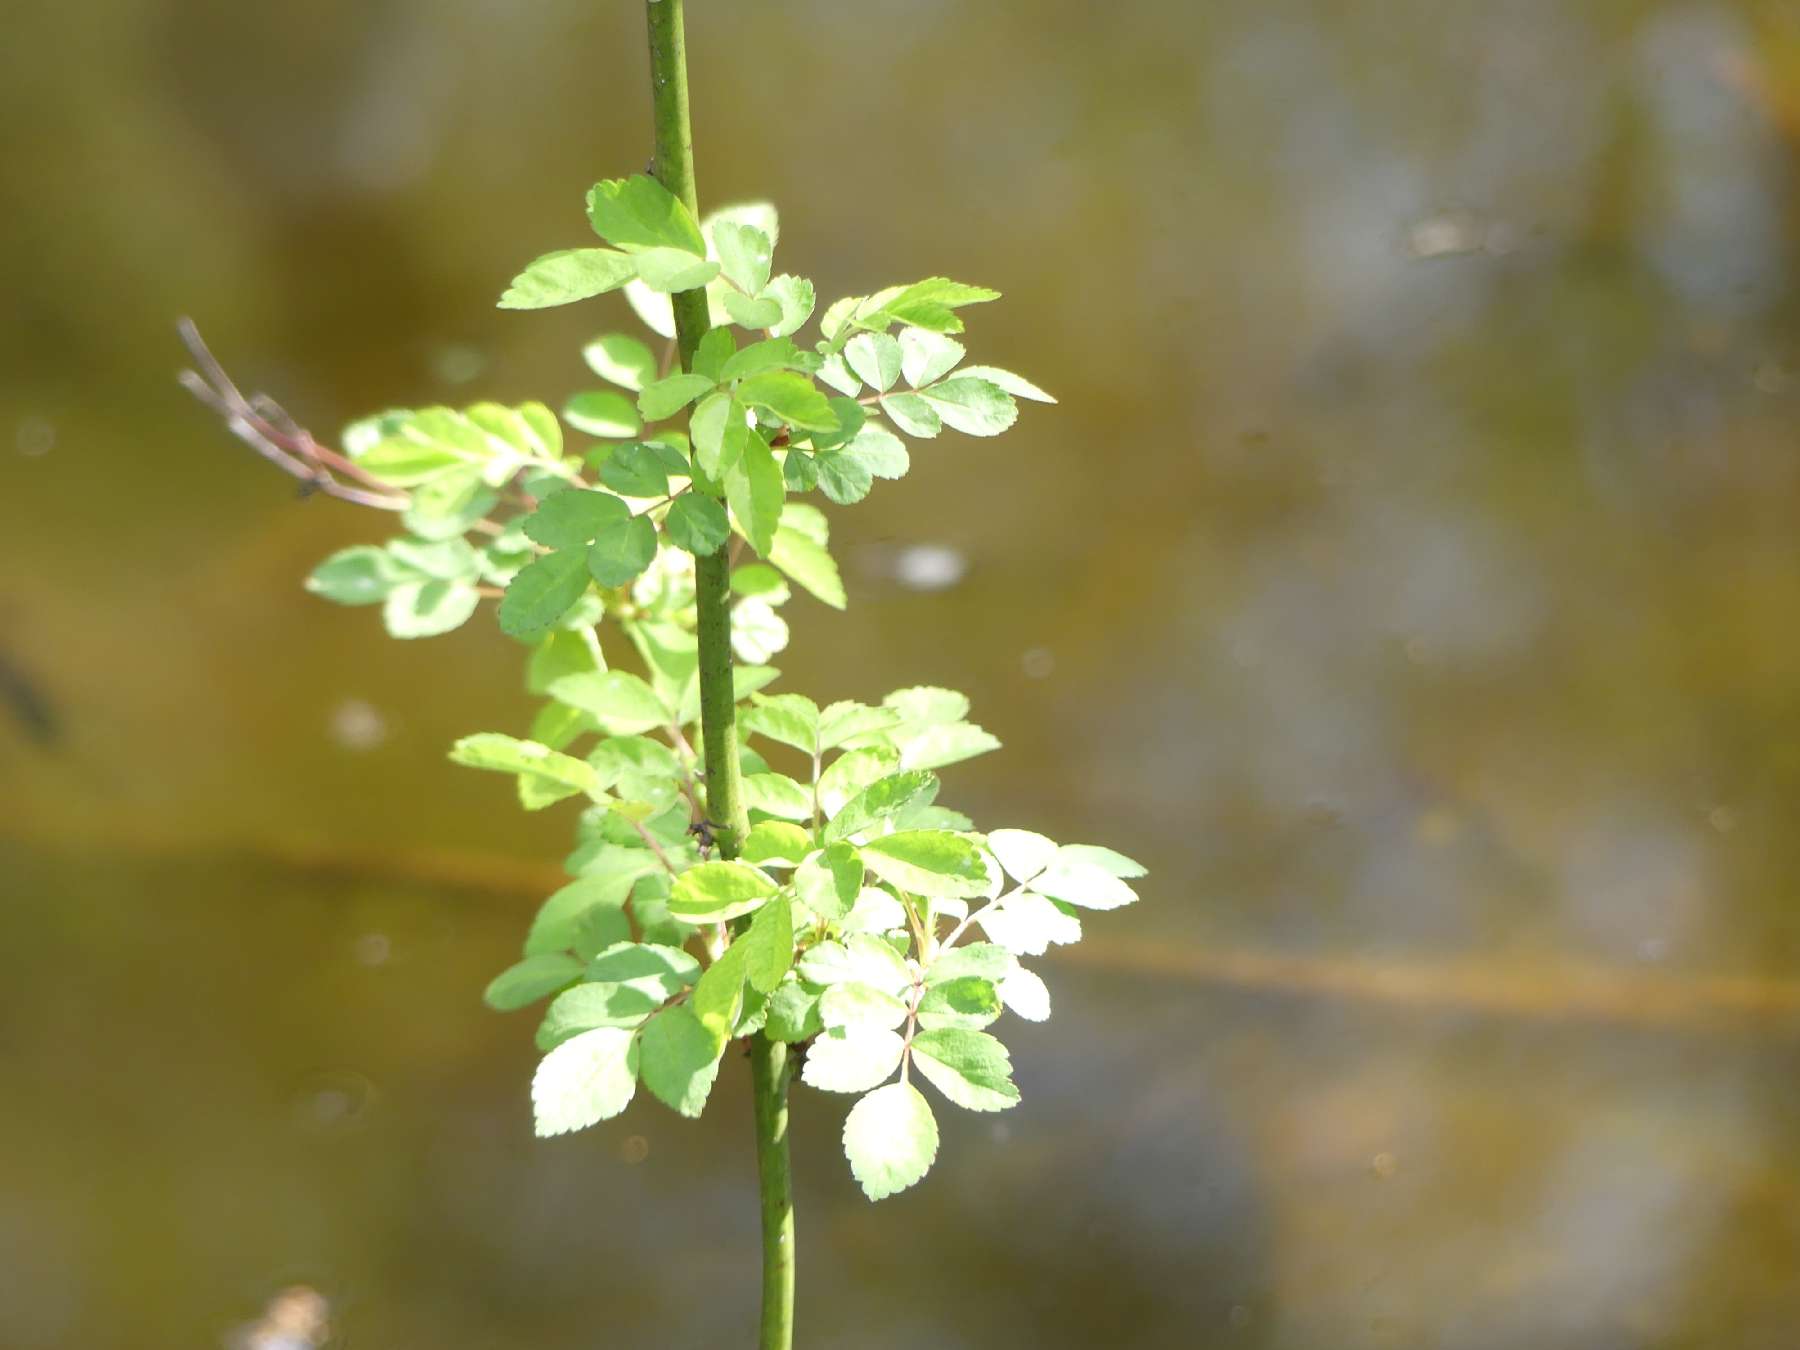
769, 1081
718, 698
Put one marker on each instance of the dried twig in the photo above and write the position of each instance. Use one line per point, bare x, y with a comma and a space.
265, 426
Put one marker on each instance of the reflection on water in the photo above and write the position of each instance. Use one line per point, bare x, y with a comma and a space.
1407, 576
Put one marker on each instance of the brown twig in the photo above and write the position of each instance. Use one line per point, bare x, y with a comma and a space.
265, 426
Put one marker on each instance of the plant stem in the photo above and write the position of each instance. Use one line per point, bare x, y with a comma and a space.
769, 1081
674, 166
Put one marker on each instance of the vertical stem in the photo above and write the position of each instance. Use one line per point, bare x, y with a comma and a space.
769, 1081
718, 699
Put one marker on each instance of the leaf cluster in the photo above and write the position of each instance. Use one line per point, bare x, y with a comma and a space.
861, 920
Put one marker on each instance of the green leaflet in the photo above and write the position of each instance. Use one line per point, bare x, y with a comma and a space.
791, 397
930, 862
929, 304
678, 1059
875, 360
884, 799
622, 703
697, 523
800, 471
851, 1059
621, 551
770, 354
673, 269
1022, 853
1025, 994
448, 505
843, 477
602, 412
859, 959
805, 560
416, 609
794, 1012
752, 313
978, 960
571, 518
561, 916
622, 360
875, 911
971, 1068
913, 414
972, 406
843, 722
792, 719
829, 884
769, 945
1029, 924
853, 771
719, 995
585, 1080
793, 296
744, 254
1116, 863
879, 451
755, 491
857, 1007
360, 575
637, 768
776, 841
567, 275
713, 351
529, 980
658, 971
719, 890
757, 631
777, 794
891, 1140
968, 1002
926, 357
1016, 385
1074, 880
670, 395
639, 212
506, 754
588, 1006
636, 471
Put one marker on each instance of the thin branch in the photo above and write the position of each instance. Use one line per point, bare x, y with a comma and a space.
265, 426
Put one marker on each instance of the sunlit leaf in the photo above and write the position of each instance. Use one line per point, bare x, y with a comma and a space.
622, 360
670, 395
744, 253
891, 1140
851, 1059
567, 275
585, 1080
719, 890
639, 212
602, 412
931, 862
971, 1068
529, 980
678, 1059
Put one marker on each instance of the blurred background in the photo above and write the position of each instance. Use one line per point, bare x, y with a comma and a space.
1408, 577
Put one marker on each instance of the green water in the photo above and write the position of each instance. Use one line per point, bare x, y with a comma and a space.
1408, 577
